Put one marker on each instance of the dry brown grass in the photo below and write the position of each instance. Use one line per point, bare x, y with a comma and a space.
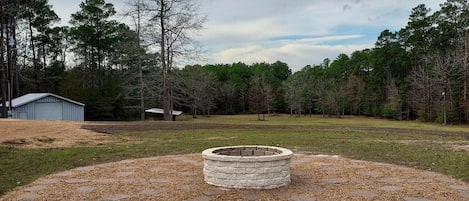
47, 134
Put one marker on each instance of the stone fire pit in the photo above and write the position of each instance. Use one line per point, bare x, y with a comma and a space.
249, 167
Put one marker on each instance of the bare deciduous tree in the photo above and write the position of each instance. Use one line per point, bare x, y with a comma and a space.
294, 88
355, 89
260, 95
172, 23
422, 90
197, 88
331, 94
447, 75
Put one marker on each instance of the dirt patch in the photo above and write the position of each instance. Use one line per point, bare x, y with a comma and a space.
461, 148
220, 138
47, 134
125, 127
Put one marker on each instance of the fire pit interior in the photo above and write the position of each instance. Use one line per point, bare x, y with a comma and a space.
247, 151
250, 167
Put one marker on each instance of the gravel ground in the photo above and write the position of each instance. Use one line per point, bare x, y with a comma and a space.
181, 178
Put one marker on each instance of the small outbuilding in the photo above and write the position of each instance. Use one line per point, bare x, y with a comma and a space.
157, 113
46, 106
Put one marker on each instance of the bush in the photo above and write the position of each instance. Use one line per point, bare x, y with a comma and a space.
391, 111
388, 111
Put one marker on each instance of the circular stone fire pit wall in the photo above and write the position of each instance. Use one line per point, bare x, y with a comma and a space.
250, 167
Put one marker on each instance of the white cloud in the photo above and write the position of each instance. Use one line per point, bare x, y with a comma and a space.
319, 40
296, 55
298, 32
243, 30
253, 30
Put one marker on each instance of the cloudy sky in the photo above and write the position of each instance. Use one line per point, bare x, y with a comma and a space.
298, 32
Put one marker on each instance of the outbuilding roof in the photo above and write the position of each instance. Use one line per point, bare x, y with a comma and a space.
22, 100
160, 111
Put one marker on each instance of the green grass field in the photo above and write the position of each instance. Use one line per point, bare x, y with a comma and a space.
346, 121
416, 149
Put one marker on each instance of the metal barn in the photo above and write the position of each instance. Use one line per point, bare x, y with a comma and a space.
157, 113
46, 106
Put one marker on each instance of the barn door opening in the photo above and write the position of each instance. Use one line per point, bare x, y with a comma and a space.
48, 111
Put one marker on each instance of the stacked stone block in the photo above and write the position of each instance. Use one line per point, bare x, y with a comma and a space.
250, 167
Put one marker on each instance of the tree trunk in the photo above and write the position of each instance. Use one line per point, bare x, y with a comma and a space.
44, 55
465, 66
139, 63
2, 64
101, 73
36, 85
13, 59
164, 64
194, 113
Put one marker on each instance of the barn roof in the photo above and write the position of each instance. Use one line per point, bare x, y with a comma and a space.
25, 99
160, 111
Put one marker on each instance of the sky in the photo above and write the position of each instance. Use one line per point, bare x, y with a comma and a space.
297, 32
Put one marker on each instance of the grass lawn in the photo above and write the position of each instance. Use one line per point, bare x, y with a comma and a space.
345, 121
418, 150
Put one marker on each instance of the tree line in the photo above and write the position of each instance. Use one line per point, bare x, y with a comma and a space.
118, 70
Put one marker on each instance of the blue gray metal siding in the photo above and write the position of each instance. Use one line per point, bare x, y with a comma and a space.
73, 111
70, 111
27, 110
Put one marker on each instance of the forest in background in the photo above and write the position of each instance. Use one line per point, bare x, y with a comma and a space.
418, 72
